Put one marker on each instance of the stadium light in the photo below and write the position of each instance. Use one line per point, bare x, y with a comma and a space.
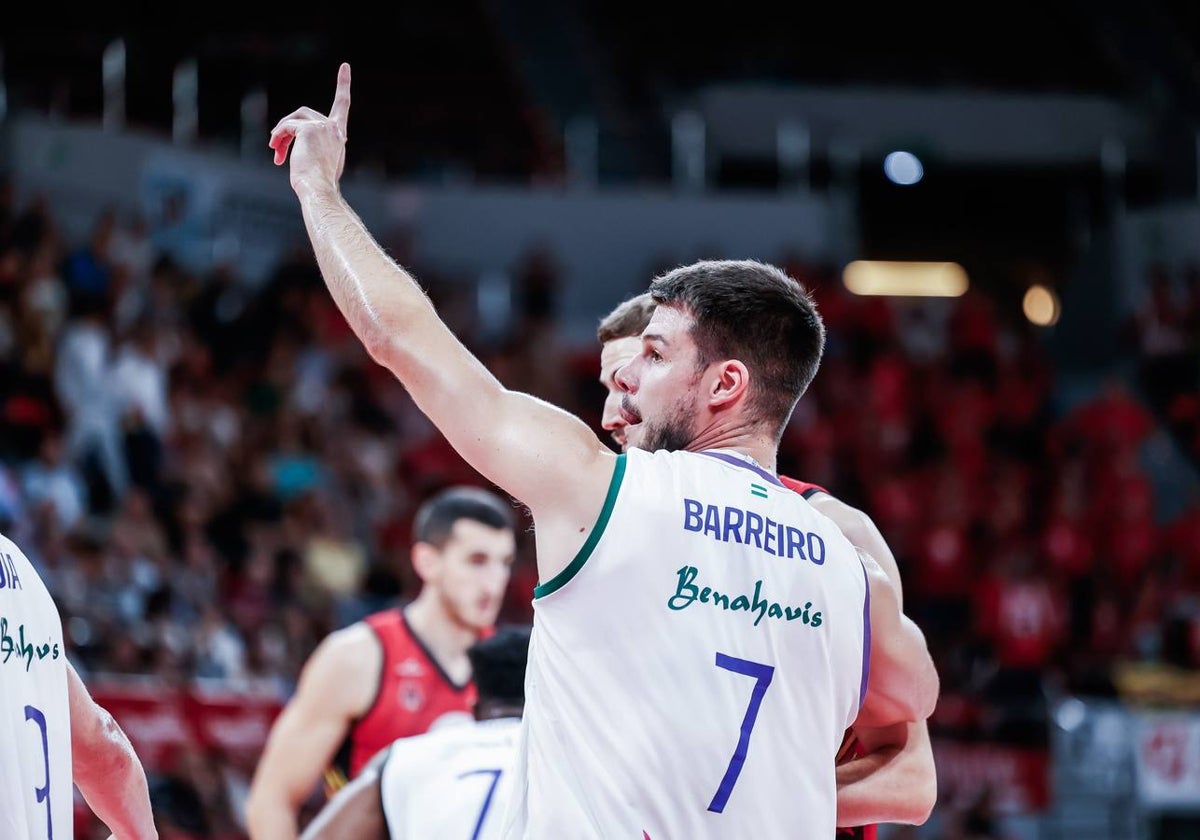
905, 279
1041, 306
903, 168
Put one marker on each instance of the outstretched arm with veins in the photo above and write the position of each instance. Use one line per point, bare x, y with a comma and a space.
543, 456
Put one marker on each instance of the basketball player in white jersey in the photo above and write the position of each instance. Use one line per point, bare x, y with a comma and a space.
884, 775
719, 604
453, 782
50, 728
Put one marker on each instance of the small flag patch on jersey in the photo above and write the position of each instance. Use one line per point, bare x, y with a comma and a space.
758, 490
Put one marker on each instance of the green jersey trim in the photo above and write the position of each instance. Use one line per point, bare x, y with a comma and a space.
564, 577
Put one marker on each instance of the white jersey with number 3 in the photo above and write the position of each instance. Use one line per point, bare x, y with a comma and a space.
693, 670
451, 783
35, 722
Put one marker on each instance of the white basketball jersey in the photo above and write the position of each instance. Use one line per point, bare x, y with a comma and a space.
450, 783
35, 722
693, 670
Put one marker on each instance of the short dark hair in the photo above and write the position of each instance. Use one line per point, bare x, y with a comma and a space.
498, 665
436, 517
753, 312
627, 320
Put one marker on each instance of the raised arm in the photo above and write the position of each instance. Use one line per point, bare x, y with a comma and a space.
903, 684
542, 455
335, 687
106, 770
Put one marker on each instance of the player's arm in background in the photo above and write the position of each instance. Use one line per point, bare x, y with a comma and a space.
863, 533
539, 454
334, 689
896, 780
105, 768
356, 810
903, 683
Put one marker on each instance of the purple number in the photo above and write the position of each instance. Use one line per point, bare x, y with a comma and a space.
762, 675
487, 800
43, 793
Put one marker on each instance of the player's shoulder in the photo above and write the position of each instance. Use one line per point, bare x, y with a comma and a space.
355, 647
383, 620
806, 489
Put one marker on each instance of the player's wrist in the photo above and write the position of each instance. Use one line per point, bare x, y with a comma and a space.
316, 187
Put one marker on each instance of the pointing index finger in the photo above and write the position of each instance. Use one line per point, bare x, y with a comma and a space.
340, 111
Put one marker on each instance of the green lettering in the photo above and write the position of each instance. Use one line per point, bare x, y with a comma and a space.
760, 604
685, 591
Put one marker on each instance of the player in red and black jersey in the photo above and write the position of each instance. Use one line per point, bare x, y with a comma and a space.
396, 673
883, 775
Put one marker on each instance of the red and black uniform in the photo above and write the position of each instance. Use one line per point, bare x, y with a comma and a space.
851, 748
414, 694
803, 487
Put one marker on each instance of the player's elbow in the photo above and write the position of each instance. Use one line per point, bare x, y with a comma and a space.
912, 703
101, 750
381, 347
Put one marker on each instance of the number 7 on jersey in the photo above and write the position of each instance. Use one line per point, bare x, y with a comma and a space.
762, 675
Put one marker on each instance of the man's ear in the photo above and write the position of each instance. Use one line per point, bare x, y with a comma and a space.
425, 561
731, 383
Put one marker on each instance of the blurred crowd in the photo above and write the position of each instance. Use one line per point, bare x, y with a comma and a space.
1165, 336
211, 476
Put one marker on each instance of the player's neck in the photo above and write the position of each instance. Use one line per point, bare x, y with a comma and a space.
743, 441
446, 638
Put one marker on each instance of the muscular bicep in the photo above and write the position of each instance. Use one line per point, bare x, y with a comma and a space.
540, 454
903, 684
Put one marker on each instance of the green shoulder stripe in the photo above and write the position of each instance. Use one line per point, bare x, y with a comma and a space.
562, 578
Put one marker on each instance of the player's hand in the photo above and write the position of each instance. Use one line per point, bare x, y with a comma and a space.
317, 141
